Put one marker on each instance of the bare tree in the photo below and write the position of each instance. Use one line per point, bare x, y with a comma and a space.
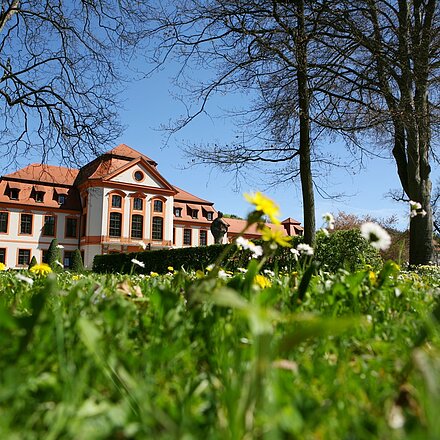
388, 85
259, 46
59, 63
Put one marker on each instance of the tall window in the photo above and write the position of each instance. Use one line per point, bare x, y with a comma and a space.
194, 213
61, 199
71, 227
158, 206
178, 212
49, 225
138, 204
209, 216
137, 225
203, 237
187, 237
26, 224
24, 257
157, 228
115, 224
116, 201
3, 255
4, 222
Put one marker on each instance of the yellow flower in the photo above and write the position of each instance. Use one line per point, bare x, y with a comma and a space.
372, 277
170, 268
2, 266
75, 277
41, 269
264, 205
261, 281
154, 274
275, 236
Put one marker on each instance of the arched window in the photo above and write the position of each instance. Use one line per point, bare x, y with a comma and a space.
157, 228
137, 226
115, 224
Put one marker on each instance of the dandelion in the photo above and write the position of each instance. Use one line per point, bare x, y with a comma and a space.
138, 263
41, 269
329, 219
25, 279
170, 268
305, 249
376, 236
265, 206
2, 266
153, 274
275, 236
261, 281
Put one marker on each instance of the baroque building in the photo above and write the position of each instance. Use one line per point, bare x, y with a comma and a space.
112, 204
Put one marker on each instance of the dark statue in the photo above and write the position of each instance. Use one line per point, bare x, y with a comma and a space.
219, 228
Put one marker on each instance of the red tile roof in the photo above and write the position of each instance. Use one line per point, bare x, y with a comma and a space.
129, 153
184, 196
26, 196
43, 173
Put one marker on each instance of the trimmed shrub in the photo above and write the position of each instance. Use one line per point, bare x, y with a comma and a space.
54, 255
345, 249
191, 258
77, 262
33, 262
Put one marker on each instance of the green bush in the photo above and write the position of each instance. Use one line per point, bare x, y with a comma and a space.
345, 249
77, 262
33, 262
191, 258
54, 256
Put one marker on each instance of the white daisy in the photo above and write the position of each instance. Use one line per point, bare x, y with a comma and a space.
60, 246
304, 249
376, 235
28, 280
142, 245
139, 263
295, 253
329, 219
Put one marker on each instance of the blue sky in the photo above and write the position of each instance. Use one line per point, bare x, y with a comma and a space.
149, 103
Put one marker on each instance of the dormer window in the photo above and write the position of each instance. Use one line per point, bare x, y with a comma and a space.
61, 195
39, 196
194, 213
209, 216
14, 193
178, 212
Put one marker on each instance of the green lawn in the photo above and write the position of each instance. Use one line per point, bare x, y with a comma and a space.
350, 355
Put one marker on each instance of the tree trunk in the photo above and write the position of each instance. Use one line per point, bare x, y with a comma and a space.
305, 167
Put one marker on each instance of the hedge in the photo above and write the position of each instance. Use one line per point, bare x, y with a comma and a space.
191, 258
